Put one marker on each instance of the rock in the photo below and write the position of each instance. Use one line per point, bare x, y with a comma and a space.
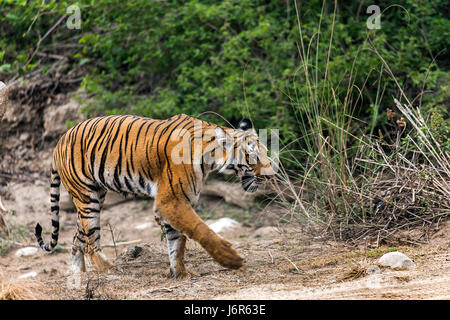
396, 260
144, 225
133, 253
223, 224
372, 269
16, 114
56, 118
24, 136
25, 252
266, 232
31, 274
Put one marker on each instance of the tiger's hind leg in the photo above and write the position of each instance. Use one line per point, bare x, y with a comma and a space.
176, 243
78, 249
89, 231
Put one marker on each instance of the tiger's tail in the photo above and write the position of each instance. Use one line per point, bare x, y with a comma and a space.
55, 182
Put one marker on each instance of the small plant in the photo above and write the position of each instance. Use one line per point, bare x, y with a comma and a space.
351, 184
378, 252
5, 247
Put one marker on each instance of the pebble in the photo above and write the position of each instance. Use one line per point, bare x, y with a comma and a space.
24, 136
373, 270
144, 225
224, 224
396, 260
31, 274
25, 252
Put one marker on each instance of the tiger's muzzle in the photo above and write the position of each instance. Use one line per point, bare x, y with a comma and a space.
250, 183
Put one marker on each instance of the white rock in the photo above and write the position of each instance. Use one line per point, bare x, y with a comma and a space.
395, 260
31, 274
144, 225
224, 224
28, 251
2, 85
24, 136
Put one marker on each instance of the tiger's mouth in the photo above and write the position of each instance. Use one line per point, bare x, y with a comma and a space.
250, 183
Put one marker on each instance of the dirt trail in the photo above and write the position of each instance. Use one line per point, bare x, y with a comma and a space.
281, 263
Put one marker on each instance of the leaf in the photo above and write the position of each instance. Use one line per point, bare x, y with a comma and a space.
84, 61
11, 16
7, 68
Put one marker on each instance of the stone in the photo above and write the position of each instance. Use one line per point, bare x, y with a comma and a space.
144, 225
56, 118
223, 224
267, 232
16, 114
31, 274
396, 260
24, 136
132, 253
372, 269
25, 252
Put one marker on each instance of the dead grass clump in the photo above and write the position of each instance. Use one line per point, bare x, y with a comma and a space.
385, 189
13, 289
410, 187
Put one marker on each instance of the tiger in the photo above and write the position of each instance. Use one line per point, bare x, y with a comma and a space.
167, 160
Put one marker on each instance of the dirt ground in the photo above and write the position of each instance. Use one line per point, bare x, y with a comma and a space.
280, 261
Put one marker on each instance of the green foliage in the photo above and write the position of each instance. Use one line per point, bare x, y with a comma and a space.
378, 252
244, 59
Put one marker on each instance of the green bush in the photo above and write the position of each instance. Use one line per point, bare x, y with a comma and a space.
242, 58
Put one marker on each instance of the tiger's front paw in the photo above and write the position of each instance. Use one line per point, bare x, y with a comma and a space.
226, 256
184, 274
180, 273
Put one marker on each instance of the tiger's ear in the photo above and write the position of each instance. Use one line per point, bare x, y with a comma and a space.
224, 139
245, 124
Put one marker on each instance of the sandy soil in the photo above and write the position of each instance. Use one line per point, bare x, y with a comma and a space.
280, 261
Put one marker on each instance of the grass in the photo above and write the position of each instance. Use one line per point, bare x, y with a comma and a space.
357, 186
8, 239
5, 247
14, 289
378, 252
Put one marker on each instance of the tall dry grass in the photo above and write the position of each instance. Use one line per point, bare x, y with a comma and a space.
17, 289
356, 186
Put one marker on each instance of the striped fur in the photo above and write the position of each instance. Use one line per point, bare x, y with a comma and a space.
140, 156
55, 182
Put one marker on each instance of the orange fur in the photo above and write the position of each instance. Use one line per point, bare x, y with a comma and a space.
129, 154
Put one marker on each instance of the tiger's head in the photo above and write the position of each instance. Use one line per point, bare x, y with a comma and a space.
245, 155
